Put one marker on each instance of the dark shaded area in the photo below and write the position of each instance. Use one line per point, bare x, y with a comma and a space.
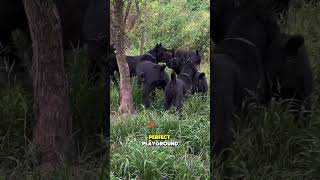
82, 24
253, 63
238, 64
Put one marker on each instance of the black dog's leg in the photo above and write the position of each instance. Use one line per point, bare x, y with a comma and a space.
178, 103
146, 91
167, 102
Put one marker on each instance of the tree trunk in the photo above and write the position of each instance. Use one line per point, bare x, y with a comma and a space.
143, 27
126, 105
52, 131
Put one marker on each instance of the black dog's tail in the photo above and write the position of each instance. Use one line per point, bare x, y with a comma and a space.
173, 77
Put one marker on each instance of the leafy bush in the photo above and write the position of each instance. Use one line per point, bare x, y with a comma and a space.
182, 24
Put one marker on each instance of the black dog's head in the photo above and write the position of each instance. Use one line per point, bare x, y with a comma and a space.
154, 75
189, 68
288, 68
225, 11
169, 54
288, 60
283, 50
161, 53
200, 83
253, 20
176, 64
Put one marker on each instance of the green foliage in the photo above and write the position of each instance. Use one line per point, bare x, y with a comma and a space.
86, 100
180, 24
16, 116
176, 24
15, 123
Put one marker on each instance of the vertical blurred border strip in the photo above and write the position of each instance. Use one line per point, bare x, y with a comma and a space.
105, 168
212, 85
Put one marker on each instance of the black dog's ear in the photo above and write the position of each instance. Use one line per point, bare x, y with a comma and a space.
197, 52
293, 44
160, 44
201, 75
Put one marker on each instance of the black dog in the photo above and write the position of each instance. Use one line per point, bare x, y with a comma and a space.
156, 55
238, 67
193, 55
152, 76
176, 64
289, 70
178, 87
200, 83
111, 63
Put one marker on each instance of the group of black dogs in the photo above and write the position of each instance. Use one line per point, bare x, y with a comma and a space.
253, 60
150, 71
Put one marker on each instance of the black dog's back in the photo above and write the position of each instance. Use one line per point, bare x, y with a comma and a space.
133, 61
193, 55
152, 75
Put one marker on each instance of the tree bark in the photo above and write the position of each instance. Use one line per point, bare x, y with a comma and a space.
126, 105
143, 27
52, 131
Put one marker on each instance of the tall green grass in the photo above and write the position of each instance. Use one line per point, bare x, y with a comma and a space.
131, 160
17, 157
